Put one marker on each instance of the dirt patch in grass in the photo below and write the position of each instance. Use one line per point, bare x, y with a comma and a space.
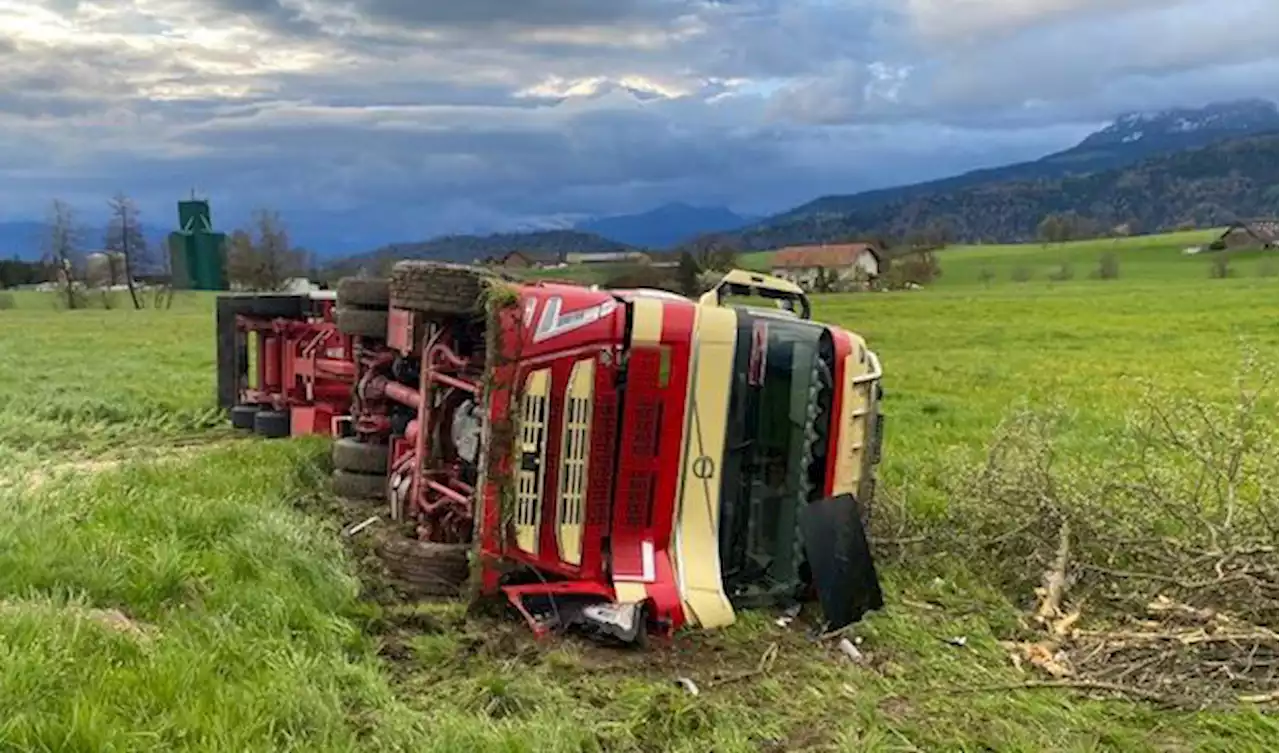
30, 472
112, 619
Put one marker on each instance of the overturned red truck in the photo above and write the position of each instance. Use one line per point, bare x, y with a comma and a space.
623, 461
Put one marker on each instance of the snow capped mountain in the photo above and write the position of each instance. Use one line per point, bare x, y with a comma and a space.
1218, 120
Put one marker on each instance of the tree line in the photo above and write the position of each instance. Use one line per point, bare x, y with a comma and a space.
259, 257
127, 254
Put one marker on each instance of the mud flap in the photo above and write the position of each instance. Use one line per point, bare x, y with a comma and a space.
839, 557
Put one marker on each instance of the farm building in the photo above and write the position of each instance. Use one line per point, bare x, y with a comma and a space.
1248, 234
607, 257
517, 260
847, 265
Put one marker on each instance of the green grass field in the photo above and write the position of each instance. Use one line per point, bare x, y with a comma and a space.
1148, 258
241, 625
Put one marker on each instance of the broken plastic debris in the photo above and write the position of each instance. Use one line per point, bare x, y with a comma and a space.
788, 614
848, 649
958, 640
361, 526
687, 684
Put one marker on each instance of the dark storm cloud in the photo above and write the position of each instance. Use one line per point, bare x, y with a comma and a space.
395, 119
472, 13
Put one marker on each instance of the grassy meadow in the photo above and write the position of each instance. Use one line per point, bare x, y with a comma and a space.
166, 585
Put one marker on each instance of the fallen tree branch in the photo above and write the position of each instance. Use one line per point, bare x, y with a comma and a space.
1055, 580
762, 667
1094, 685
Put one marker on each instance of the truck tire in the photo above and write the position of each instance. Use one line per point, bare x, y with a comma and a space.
364, 292
242, 416
361, 322
271, 423
350, 454
353, 485
424, 568
437, 287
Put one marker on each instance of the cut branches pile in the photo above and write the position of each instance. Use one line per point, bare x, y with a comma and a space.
1153, 574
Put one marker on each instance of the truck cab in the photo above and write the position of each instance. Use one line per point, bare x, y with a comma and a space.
665, 451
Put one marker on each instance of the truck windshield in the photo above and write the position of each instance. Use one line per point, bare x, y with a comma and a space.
779, 422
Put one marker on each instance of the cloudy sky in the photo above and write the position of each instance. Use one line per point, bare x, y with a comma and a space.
376, 120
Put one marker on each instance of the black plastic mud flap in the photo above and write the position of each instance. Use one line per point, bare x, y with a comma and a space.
844, 574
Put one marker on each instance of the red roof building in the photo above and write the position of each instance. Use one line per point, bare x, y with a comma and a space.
844, 265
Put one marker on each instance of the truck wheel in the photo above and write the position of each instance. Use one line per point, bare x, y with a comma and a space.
425, 568
353, 485
271, 423
437, 287
242, 416
350, 454
367, 292
361, 322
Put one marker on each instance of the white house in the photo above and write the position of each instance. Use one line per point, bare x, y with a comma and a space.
845, 265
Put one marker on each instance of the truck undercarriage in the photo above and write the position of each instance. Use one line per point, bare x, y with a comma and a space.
628, 462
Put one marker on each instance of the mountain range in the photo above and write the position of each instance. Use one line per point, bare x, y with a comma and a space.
666, 225
1155, 169
1128, 139
1152, 170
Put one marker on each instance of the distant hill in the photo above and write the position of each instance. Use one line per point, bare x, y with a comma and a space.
1207, 186
665, 226
547, 244
1127, 140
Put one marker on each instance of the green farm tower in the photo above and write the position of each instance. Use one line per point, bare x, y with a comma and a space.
197, 254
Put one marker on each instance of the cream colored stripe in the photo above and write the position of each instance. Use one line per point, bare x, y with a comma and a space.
646, 322
629, 592
697, 540
852, 425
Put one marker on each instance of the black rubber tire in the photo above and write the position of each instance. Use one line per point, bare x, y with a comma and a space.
350, 454
424, 568
362, 322
242, 416
438, 287
271, 423
359, 485
365, 292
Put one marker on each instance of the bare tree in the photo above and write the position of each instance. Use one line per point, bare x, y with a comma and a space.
264, 262
242, 262
62, 251
124, 237
713, 252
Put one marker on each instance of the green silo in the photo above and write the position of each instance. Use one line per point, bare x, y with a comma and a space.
197, 253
